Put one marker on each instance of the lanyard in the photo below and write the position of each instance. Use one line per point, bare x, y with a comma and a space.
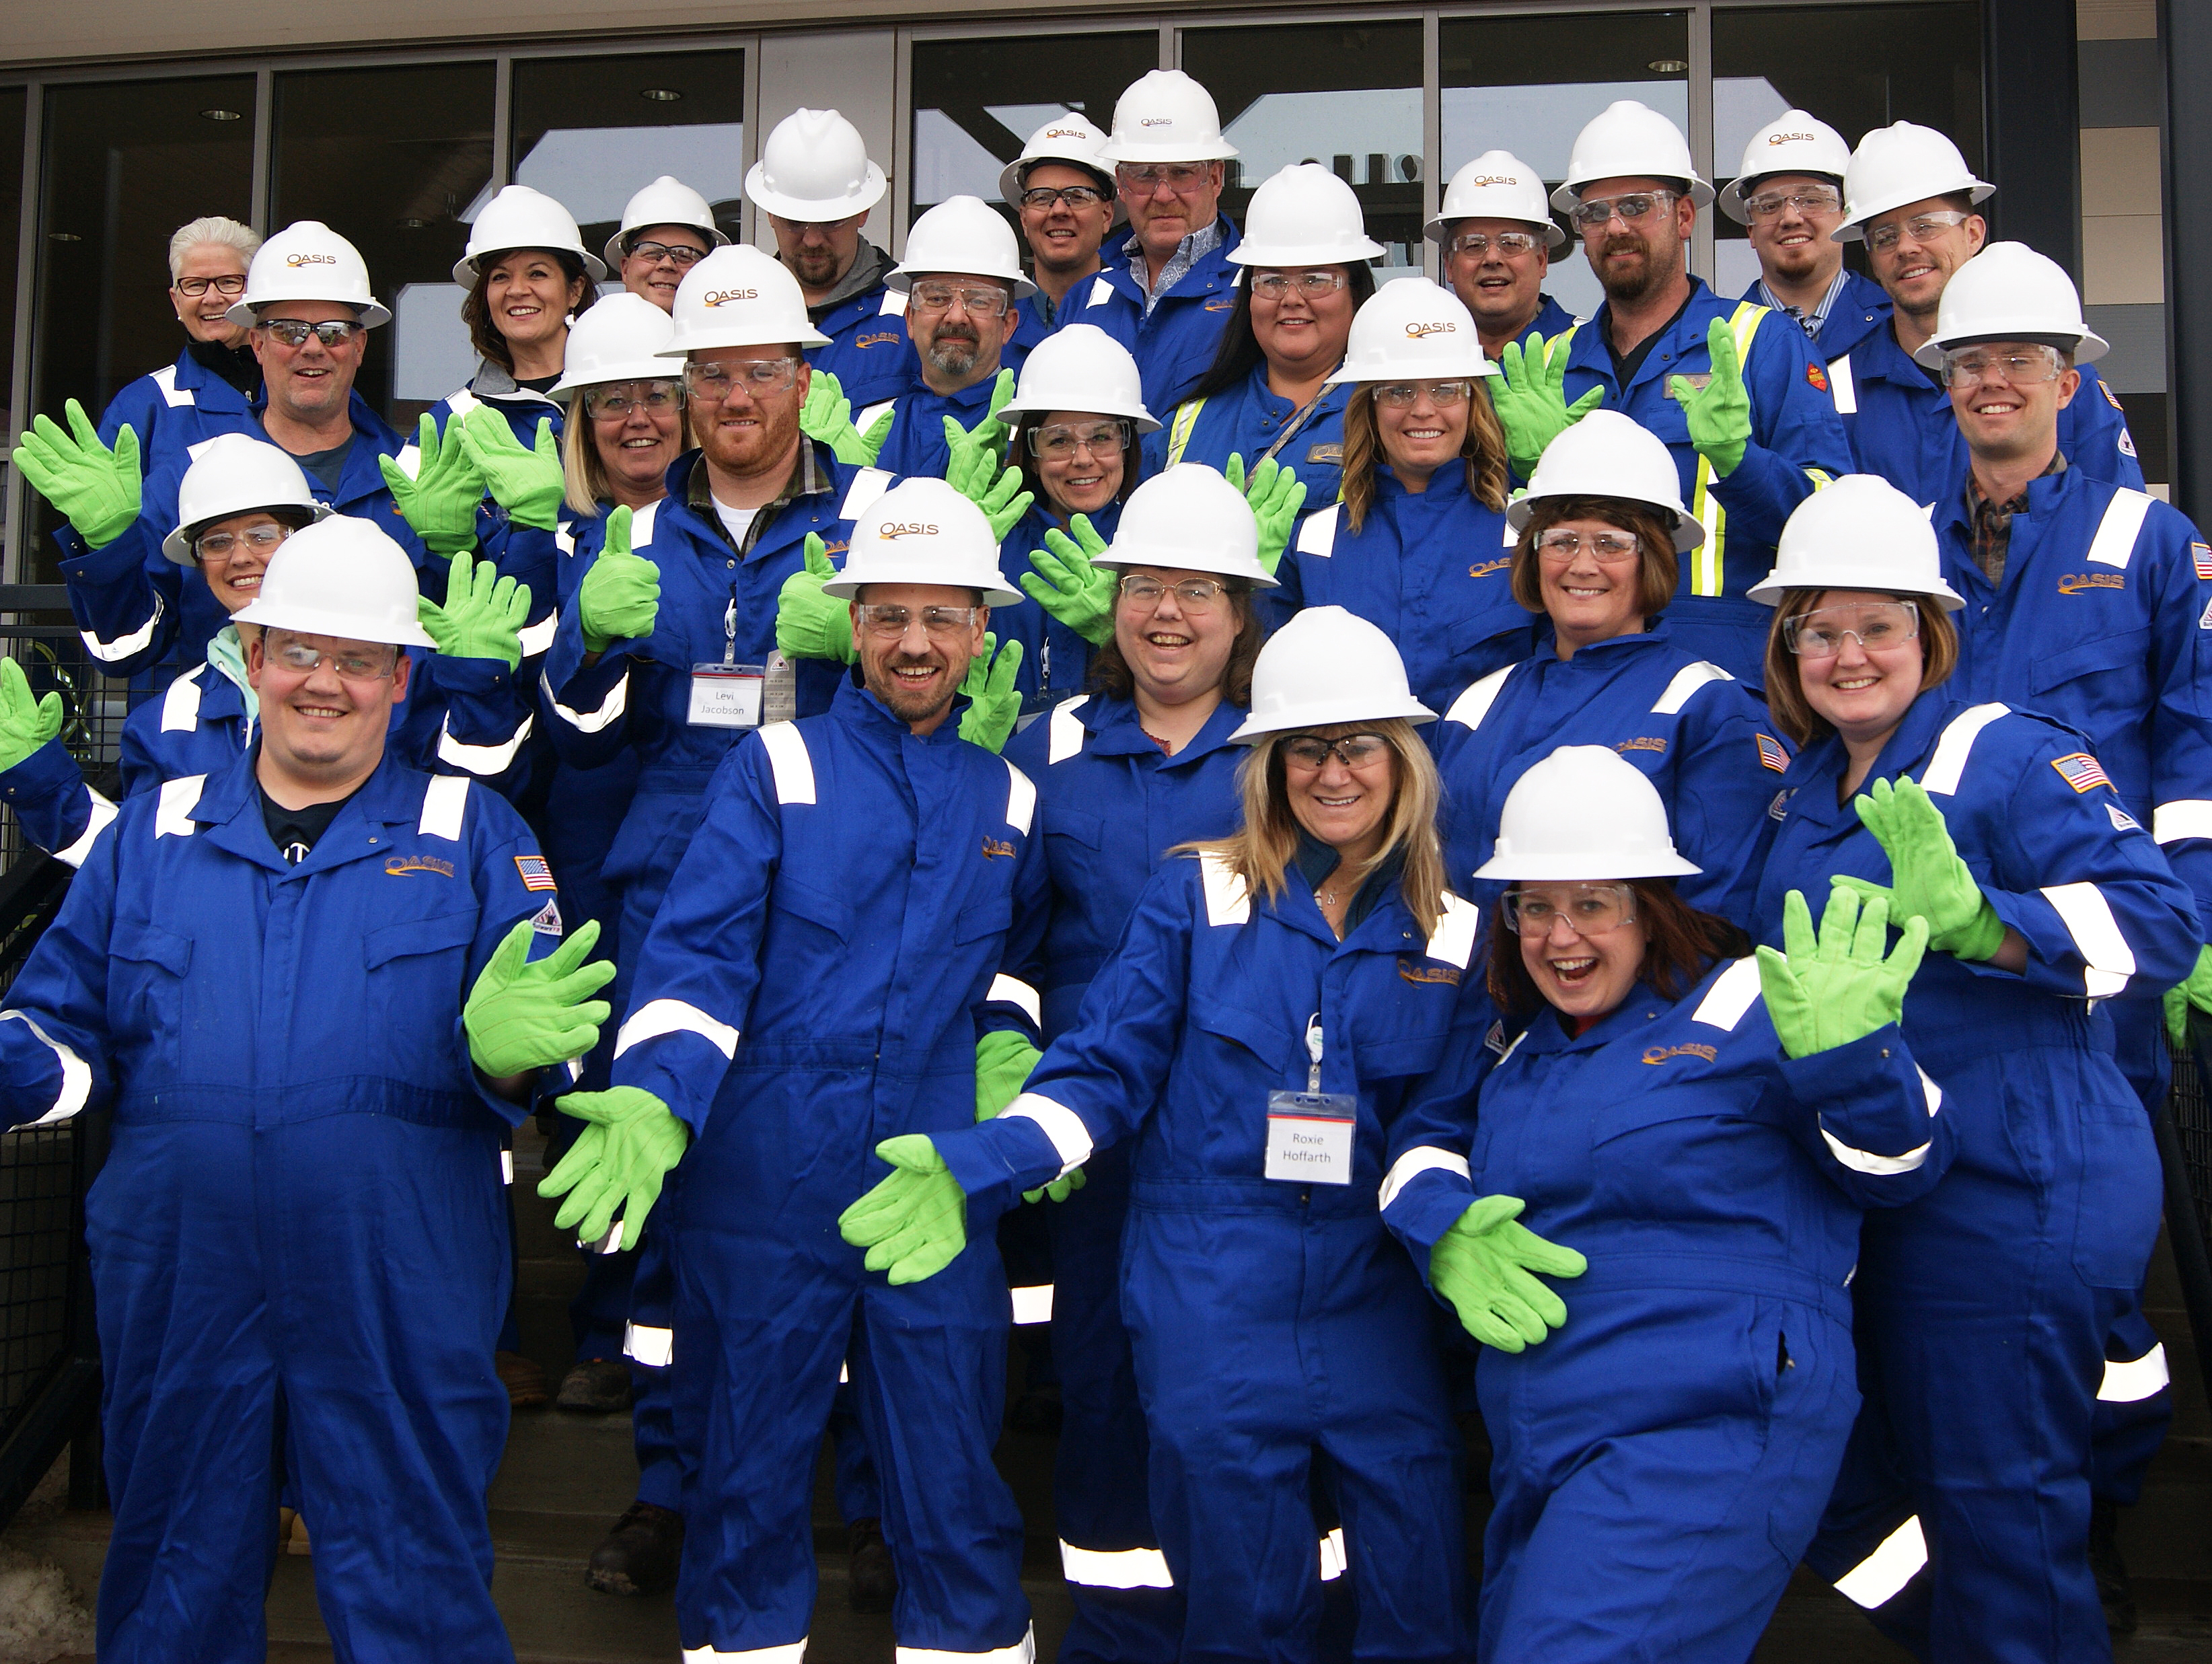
1313, 1050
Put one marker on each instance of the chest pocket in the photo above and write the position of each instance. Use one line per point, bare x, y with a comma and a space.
1714, 1100
146, 971
986, 916
1088, 829
417, 977
2128, 651
1272, 1046
819, 910
413, 936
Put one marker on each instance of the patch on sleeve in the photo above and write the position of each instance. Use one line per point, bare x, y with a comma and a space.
1771, 755
536, 874
1495, 1040
2081, 771
1779, 808
2127, 443
2201, 554
546, 921
1817, 376
2205, 618
2112, 398
2122, 820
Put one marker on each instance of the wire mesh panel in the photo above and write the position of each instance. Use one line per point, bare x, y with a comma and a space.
2191, 1106
37, 1241
40, 634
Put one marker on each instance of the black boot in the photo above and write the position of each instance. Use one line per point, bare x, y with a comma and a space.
2113, 1588
873, 1579
640, 1554
596, 1387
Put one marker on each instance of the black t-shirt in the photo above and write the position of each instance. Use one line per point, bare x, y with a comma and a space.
1624, 366
537, 383
295, 832
328, 467
236, 365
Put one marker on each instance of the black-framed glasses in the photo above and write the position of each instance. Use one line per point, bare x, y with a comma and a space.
1075, 196
1404, 395
1064, 439
1921, 227
1507, 243
978, 300
1193, 595
294, 332
683, 253
352, 664
1314, 284
234, 283
759, 377
1311, 752
619, 399
1588, 910
889, 622
1806, 199
260, 540
1593, 212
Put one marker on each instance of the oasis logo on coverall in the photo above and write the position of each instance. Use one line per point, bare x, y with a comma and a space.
725, 296
1660, 1054
880, 339
993, 847
1488, 567
2074, 583
1447, 974
400, 865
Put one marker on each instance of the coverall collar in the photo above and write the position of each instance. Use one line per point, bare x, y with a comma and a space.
1548, 1033
869, 716
230, 806
1117, 731
1824, 763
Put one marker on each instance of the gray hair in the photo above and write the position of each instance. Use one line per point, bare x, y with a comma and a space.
215, 228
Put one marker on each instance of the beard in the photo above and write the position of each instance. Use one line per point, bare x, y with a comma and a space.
952, 353
1626, 285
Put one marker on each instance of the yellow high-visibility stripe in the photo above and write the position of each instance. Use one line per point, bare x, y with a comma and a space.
1709, 565
1186, 418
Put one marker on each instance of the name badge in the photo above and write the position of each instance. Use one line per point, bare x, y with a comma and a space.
726, 695
1698, 381
1310, 1137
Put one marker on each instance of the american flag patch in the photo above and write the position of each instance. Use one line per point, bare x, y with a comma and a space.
2201, 554
536, 874
1772, 754
2082, 772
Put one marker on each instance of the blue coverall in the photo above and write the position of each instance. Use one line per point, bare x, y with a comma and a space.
1401, 572
1055, 661
1702, 738
299, 1240
917, 444
1250, 422
869, 352
1661, 1462
816, 982
1796, 445
1270, 1318
1863, 307
1110, 804
173, 409
525, 554
1983, 1308
1175, 343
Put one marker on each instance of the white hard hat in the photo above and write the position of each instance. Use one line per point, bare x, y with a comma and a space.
1188, 518
1412, 327
621, 339
2009, 292
1902, 163
1496, 186
922, 531
343, 577
1619, 458
1326, 666
814, 168
1859, 532
1166, 116
1629, 140
739, 296
962, 237
235, 474
1792, 142
520, 217
1067, 137
1304, 215
1082, 367
307, 261
1584, 814
666, 201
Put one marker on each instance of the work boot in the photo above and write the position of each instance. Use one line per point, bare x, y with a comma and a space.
523, 1381
596, 1387
2113, 1588
640, 1554
872, 1578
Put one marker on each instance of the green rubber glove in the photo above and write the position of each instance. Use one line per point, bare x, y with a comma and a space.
527, 483
914, 1223
618, 1161
1719, 413
1826, 992
96, 490
1069, 586
522, 1016
827, 414
990, 432
1530, 398
26, 723
994, 703
483, 616
1483, 1264
620, 596
1927, 879
1003, 1062
871, 443
974, 470
1276, 496
810, 624
441, 501
2197, 991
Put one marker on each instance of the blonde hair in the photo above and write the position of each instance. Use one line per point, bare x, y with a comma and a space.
1260, 849
1483, 449
582, 471
215, 228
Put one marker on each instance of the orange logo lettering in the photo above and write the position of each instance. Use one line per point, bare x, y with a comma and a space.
1660, 1054
725, 296
1415, 332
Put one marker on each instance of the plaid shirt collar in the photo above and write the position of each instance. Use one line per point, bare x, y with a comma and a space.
1992, 521
1188, 253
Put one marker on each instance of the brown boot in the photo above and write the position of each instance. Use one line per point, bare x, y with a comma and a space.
523, 1381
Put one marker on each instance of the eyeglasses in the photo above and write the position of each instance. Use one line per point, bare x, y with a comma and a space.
294, 333
979, 301
1874, 626
1192, 594
619, 399
1311, 752
1590, 910
196, 287
1273, 285
1402, 395
1061, 439
1609, 548
942, 623
1921, 227
1810, 200
352, 664
1075, 196
683, 253
757, 376
2024, 369
1591, 214
1181, 177
1507, 243
257, 540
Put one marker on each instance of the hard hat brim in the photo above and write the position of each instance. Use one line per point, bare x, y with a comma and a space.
1770, 590
1352, 375
1011, 186
1853, 229
900, 279
1118, 559
466, 268
312, 621
717, 238
632, 370
844, 587
1440, 228
1323, 714
873, 185
1116, 151
2087, 349
1689, 530
1249, 253
178, 545
1585, 869
736, 336
1143, 420
1568, 195
373, 314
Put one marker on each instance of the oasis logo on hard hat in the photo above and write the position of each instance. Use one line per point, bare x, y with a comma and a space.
892, 530
724, 296
1414, 332
1494, 179
1793, 139
311, 259
1156, 121
1064, 132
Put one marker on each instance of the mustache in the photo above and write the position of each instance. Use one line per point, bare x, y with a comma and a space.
957, 332
1624, 245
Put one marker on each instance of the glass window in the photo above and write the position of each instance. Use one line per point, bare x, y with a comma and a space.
976, 102
1489, 105
1916, 63
1348, 97
126, 163
398, 161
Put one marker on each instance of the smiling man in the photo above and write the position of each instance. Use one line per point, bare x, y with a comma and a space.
1497, 237
1788, 195
1062, 192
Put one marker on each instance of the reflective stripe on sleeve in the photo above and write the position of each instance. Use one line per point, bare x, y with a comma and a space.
1070, 1138
479, 760
1064, 731
537, 637
2185, 817
1685, 682
175, 397
2115, 542
1012, 990
1317, 532
648, 1345
123, 647
172, 811
794, 768
1841, 385
1729, 997
793, 1654
2088, 919
443, 805
2131, 1380
658, 1017
1453, 940
1022, 1652
1227, 901
507, 1166
1333, 1563
1185, 419
180, 704
609, 710
103, 812
1879, 1167
77, 1074
1021, 800
1472, 706
1948, 766
1120, 1569
1876, 1580
1422, 1158
1032, 1303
